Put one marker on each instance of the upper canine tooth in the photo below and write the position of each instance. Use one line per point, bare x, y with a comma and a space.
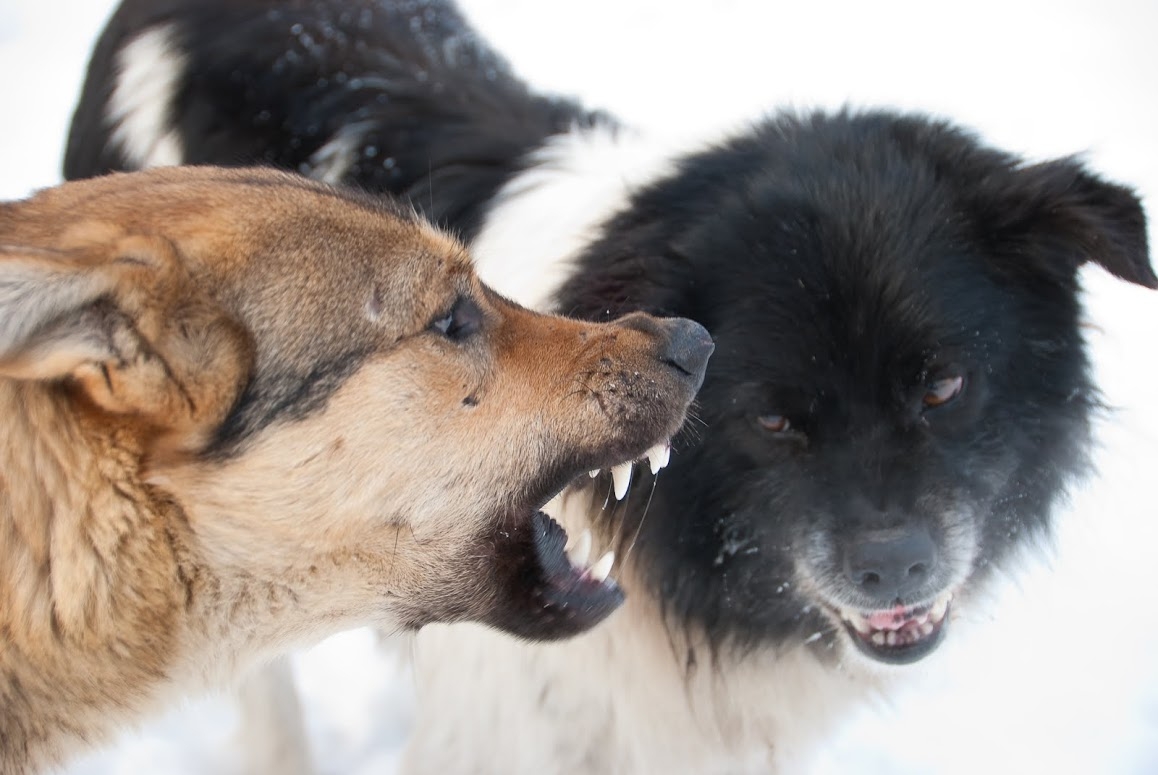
602, 568
939, 608
658, 456
579, 553
594, 472
859, 623
621, 477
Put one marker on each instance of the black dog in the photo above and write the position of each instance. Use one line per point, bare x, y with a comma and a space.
899, 396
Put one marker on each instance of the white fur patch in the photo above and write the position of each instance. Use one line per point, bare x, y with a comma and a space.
545, 216
148, 70
332, 161
273, 737
620, 699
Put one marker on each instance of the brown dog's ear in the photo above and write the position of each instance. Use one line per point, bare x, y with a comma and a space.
127, 323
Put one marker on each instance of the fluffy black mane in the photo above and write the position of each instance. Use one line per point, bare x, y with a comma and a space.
839, 259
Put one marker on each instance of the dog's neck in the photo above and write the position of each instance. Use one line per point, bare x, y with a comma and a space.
88, 577
239, 617
108, 600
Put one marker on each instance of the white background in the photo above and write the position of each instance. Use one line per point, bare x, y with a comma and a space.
1061, 675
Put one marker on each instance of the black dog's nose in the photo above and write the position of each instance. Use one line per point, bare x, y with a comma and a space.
891, 564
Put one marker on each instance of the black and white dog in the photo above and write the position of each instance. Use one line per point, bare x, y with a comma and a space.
899, 397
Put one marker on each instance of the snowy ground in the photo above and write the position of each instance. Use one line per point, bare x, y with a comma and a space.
1063, 676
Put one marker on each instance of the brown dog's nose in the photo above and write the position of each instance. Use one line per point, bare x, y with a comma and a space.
685, 344
689, 347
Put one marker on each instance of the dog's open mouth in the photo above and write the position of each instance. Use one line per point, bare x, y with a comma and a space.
899, 635
568, 593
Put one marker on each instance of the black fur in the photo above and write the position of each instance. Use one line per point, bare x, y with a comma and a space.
434, 115
846, 264
841, 263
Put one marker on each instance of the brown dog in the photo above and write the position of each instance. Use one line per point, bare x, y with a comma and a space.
243, 410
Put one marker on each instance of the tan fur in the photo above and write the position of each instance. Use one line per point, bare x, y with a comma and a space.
144, 551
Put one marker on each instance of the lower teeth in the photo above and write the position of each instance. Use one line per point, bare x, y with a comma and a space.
902, 637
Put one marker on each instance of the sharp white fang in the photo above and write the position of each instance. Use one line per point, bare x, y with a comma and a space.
658, 456
621, 476
600, 570
939, 608
581, 551
593, 473
859, 623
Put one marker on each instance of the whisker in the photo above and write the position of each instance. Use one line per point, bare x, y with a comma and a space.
394, 556
643, 516
622, 509
416, 539
594, 496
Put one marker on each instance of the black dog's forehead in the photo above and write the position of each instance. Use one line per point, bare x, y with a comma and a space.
832, 293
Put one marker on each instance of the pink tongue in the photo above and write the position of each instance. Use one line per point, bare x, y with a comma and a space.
888, 620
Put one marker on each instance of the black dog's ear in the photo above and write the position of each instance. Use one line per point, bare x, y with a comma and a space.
1040, 219
1057, 216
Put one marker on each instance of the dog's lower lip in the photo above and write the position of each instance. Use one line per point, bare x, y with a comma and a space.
900, 635
566, 593
569, 582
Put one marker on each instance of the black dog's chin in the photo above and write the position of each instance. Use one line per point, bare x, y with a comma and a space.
900, 636
905, 654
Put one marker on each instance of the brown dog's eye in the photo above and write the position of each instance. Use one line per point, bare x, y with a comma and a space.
774, 423
943, 391
463, 319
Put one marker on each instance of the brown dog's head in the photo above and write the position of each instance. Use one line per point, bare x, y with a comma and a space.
320, 383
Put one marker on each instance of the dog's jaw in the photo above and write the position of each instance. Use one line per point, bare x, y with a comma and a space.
547, 595
901, 635
552, 591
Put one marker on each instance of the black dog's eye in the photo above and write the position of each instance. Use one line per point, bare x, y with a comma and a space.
774, 423
943, 391
463, 320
